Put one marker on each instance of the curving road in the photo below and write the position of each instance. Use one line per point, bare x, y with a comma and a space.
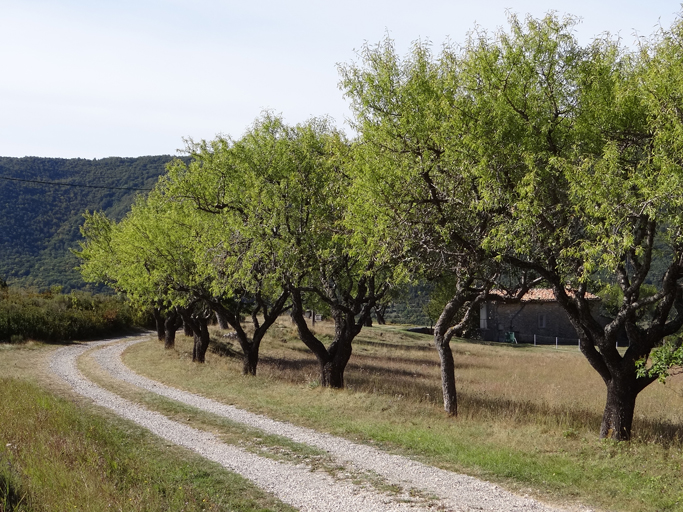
296, 485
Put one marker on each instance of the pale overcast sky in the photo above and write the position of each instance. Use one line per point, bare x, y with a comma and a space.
93, 78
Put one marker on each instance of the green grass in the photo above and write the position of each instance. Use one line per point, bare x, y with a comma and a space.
56, 456
529, 417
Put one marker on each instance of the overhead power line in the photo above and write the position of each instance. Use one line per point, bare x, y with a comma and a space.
72, 184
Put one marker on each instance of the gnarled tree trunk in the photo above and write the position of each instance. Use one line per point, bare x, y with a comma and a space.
250, 359
222, 321
187, 330
170, 329
442, 340
332, 371
617, 418
450, 396
201, 340
200, 333
159, 321
250, 346
332, 361
379, 312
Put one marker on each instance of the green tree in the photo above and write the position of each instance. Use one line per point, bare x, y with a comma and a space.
417, 194
282, 191
596, 187
148, 256
235, 251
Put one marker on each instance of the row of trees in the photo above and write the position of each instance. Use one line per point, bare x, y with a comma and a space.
519, 158
253, 226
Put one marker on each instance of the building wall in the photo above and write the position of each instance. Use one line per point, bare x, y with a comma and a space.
547, 320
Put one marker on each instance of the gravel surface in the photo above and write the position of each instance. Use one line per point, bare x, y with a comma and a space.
296, 485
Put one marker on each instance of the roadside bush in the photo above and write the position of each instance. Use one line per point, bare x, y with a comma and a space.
52, 316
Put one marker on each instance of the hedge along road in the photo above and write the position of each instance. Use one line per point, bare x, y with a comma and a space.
295, 484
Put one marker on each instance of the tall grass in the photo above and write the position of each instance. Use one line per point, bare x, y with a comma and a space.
529, 417
52, 316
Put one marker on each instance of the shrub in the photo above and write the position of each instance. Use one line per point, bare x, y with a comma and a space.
52, 316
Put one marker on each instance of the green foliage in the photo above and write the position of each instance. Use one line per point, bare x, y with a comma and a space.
410, 304
612, 298
273, 194
413, 197
665, 360
524, 149
55, 317
40, 222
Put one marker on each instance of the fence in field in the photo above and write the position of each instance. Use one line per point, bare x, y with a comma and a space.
538, 340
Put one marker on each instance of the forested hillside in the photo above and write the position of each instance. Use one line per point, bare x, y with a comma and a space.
40, 222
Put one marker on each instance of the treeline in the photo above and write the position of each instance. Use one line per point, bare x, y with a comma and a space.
52, 316
39, 222
518, 159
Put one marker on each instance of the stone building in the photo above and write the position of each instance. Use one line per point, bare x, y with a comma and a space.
537, 314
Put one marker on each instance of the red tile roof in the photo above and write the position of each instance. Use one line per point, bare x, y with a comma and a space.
543, 295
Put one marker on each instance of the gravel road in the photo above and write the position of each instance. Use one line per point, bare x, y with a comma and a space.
297, 485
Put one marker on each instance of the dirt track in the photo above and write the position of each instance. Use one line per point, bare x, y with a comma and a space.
421, 487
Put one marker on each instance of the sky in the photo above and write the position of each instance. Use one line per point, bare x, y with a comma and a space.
100, 78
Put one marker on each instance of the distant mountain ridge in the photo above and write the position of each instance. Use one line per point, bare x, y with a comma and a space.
39, 222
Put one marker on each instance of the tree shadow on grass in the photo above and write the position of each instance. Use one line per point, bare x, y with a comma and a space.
393, 346
12, 498
419, 384
295, 365
660, 431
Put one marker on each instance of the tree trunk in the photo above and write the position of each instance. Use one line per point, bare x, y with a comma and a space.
368, 321
250, 359
442, 340
339, 351
170, 329
380, 315
450, 397
617, 418
332, 375
187, 329
159, 321
332, 361
201, 341
222, 321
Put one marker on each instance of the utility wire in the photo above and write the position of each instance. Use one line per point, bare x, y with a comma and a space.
71, 184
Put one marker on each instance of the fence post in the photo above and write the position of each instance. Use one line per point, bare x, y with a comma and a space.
534, 340
579, 344
556, 342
